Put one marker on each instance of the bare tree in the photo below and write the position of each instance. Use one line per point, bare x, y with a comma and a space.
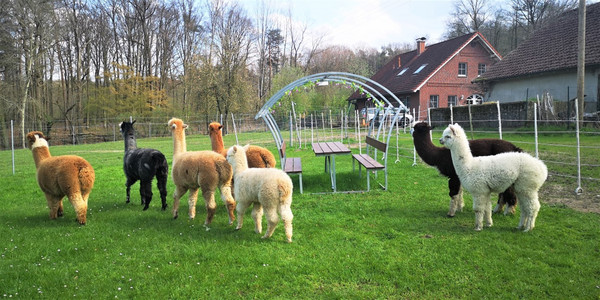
531, 14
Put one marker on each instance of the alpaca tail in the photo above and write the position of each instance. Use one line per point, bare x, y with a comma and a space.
268, 159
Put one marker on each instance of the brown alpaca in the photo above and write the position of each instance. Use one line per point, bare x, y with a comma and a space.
60, 176
204, 170
258, 157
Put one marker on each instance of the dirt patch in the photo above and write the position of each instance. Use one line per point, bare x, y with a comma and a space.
556, 192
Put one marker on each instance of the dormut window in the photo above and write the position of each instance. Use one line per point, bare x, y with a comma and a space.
452, 100
403, 71
462, 69
420, 68
480, 69
433, 101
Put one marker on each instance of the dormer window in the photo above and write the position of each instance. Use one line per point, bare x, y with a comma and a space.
403, 71
420, 68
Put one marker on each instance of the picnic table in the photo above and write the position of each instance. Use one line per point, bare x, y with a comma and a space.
330, 150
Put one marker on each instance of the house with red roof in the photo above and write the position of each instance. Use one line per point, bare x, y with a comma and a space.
436, 75
546, 63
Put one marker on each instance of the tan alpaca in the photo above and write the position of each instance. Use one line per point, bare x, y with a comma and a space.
258, 157
60, 176
204, 170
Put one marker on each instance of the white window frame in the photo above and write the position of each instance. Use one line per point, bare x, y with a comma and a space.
466, 70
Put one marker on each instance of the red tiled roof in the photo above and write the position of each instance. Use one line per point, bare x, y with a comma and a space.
552, 47
434, 56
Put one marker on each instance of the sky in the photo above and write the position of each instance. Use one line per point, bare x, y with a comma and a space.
367, 23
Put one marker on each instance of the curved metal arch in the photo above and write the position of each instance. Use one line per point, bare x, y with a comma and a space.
341, 77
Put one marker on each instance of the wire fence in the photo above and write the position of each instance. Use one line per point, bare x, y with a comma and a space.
570, 154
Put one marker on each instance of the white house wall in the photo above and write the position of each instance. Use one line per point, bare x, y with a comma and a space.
562, 86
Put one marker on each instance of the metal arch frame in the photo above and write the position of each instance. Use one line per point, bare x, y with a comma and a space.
341, 77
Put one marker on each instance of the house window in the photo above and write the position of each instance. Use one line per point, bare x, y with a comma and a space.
405, 101
462, 69
403, 71
452, 100
420, 68
480, 69
433, 101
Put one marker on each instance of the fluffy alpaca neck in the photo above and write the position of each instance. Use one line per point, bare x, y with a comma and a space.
216, 142
426, 149
461, 155
130, 142
179, 142
39, 154
241, 165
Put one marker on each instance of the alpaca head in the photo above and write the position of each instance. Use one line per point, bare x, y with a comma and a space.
177, 125
36, 139
214, 129
127, 130
236, 156
452, 135
420, 128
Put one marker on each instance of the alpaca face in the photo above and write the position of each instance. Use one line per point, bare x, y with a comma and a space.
177, 124
36, 139
214, 129
420, 128
449, 136
127, 130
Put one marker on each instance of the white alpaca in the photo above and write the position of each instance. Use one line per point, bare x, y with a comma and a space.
267, 188
484, 175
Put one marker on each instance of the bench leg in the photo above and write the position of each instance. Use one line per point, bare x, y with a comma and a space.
368, 181
300, 177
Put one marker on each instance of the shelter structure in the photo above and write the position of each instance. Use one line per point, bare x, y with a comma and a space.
365, 85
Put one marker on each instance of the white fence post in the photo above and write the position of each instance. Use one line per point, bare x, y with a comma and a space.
451, 115
499, 119
535, 129
578, 190
234, 129
12, 145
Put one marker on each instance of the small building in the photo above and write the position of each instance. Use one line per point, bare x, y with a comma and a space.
436, 75
545, 64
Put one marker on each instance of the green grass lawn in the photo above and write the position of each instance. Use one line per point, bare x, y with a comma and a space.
382, 244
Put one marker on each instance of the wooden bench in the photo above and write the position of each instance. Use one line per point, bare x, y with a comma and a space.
369, 163
291, 165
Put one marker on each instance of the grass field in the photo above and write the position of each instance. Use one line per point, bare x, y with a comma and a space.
381, 244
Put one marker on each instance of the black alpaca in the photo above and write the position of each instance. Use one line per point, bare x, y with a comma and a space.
441, 158
143, 164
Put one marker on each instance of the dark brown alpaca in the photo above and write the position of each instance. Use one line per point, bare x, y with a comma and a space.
441, 158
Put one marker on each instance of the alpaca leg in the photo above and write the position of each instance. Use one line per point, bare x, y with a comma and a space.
54, 204
272, 220
257, 214
241, 209
80, 206
533, 207
286, 215
179, 191
128, 185
211, 206
500, 204
161, 183
488, 213
192, 198
146, 193
454, 187
60, 211
478, 208
461, 202
228, 201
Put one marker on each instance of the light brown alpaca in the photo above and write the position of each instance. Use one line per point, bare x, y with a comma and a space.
258, 157
60, 176
204, 170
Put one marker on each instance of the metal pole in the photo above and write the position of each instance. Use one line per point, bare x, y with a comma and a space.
578, 190
499, 119
581, 59
234, 130
535, 129
12, 143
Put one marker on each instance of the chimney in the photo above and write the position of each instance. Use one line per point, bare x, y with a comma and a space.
421, 45
399, 62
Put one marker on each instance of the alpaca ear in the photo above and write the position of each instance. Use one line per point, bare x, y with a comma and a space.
185, 126
220, 127
133, 122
